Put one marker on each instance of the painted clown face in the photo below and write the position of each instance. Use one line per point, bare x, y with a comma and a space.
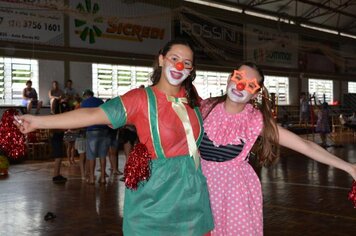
177, 64
243, 85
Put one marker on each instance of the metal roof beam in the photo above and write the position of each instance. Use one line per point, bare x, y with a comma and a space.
282, 7
329, 8
350, 25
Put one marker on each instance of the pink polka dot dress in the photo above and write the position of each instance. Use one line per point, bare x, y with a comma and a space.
234, 188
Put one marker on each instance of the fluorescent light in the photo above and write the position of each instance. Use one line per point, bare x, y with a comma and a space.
252, 13
319, 29
348, 35
210, 4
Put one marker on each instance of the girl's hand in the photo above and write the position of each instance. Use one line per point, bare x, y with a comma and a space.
26, 123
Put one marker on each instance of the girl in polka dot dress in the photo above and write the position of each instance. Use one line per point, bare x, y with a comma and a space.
232, 125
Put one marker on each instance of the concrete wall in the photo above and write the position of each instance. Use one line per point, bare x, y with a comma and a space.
81, 75
49, 71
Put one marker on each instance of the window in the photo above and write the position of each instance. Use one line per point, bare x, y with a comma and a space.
323, 90
14, 72
113, 80
279, 86
351, 86
210, 84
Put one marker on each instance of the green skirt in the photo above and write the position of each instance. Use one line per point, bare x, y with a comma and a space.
175, 201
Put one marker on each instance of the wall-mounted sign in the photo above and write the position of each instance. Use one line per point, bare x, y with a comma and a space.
215, 41
119, 26
34, 22
271, 47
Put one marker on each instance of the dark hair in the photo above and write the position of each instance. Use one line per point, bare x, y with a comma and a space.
325, 105
28, 82
191, 93
88, 92
267, 145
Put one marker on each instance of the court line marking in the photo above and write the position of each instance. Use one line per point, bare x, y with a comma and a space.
306, 185
311, 212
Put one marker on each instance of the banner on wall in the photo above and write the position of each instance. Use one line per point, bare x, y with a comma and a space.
131, 27
215, 41
319, 55
31, 22
271, 47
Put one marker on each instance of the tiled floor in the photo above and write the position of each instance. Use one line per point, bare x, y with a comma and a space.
301, 197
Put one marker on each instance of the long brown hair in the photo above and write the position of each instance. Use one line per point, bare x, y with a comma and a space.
267, 145
191, 93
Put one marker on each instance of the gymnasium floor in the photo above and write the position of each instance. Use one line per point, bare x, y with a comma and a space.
301, 197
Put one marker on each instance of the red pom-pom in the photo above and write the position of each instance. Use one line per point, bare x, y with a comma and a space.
137, 168
352, 194
12, 141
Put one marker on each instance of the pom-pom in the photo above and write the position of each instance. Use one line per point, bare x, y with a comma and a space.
12, 141
352, 194
137, 168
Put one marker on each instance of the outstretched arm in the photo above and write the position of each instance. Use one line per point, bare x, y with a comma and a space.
69, 120
314, 151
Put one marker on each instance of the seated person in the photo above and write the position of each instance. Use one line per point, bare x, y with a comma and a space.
56, 98
30, 98
70, 95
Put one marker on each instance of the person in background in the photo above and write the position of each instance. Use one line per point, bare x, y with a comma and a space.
57, 154
352, 118
114, 150
30, 98
70, 95
233, 124
57, 145
97, 139
127, 140
80, 146
55, 95
175, 199
323, 123
304, 109
351, 121
69, 139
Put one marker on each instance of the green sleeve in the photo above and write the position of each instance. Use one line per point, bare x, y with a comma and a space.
115, 111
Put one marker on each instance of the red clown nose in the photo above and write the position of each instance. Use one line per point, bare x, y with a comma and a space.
240, 86
179, 66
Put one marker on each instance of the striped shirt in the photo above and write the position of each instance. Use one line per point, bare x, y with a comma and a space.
210, 152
